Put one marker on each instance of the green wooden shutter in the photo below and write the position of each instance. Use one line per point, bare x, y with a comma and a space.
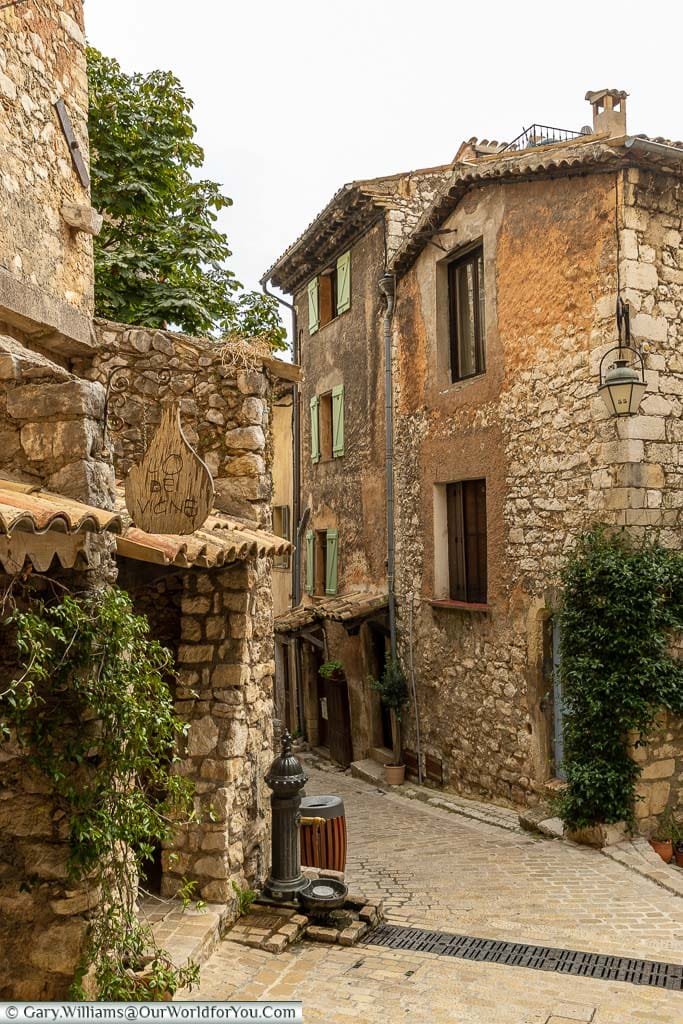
310, 568
313, 306
338, 421
344, 283
315, 429
332, 561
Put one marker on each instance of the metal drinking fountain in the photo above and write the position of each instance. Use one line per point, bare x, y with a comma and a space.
286, 778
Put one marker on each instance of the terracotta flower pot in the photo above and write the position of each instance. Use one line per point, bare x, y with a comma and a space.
665, 849
394, 774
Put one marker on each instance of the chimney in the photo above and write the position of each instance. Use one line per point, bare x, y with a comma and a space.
609, 111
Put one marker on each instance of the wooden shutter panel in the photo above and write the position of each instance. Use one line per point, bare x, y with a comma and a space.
456, 543
310, 574
344, 283
338, 421
315, 429
332, 561
313, 306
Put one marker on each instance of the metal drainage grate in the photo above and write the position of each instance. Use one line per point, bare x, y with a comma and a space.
540, 958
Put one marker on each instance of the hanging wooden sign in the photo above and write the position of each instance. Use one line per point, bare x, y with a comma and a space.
171, 489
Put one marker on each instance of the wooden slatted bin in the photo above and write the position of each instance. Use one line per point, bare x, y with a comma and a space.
323, 832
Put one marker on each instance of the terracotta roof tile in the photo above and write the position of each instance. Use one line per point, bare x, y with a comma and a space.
345, 608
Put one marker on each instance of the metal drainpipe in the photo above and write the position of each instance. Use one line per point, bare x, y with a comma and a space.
296, 497
387, 287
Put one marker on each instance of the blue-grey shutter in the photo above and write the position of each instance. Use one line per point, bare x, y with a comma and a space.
310, 568
332, 561
344, 283
315, 428
338, 421
313, 306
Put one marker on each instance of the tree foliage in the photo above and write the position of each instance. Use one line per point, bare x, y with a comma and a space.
622, 602
93, 712
160, 259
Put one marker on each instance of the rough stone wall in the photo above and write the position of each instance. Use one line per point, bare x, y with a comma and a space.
553, 460
226, 416
51, 427
50, 435
43, 915
660, 787
649, 489
225, 692
42, 59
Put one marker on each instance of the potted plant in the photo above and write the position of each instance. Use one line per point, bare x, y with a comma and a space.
393, 691
332, 670
665, 836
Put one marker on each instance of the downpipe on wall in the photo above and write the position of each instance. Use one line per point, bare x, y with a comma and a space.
387, 287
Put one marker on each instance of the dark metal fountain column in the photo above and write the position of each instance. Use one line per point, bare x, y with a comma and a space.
286, 778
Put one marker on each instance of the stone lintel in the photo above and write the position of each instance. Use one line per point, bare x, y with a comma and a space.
51, 322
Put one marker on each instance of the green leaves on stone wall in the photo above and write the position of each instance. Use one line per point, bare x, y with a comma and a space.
623, 603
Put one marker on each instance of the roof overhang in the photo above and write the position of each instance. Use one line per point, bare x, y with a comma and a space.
591, 154
347, 610
349, 212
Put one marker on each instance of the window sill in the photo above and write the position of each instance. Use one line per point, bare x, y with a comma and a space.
458, 606
321, 327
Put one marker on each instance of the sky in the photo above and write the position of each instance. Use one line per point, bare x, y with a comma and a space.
293, 99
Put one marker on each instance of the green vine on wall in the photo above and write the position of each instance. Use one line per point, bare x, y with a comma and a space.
622, 604
93, 711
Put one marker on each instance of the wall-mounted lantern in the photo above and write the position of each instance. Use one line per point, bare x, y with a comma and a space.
622, 384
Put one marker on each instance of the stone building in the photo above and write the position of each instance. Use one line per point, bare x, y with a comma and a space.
68, 431
332, 271
506, 286
504, 450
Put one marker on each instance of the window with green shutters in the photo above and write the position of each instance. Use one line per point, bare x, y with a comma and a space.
332, 561
329, 294
327, 425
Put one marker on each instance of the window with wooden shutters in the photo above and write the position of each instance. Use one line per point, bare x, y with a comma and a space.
331, 561
313, 306
338, 421
315, 429
281, 528
310, 561
466, 310
329, 294
467, 555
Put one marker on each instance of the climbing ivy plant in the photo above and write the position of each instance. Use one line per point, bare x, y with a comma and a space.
622, 604
93, 711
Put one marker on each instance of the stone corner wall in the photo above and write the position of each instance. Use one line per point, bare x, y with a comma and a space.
226, 415
225, 692
660, 787
42, 59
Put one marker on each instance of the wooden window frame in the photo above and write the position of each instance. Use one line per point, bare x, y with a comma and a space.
474, 255
467, 541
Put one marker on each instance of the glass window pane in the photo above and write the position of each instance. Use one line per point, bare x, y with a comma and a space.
466, 328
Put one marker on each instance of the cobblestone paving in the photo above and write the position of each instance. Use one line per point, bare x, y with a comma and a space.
439, 870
